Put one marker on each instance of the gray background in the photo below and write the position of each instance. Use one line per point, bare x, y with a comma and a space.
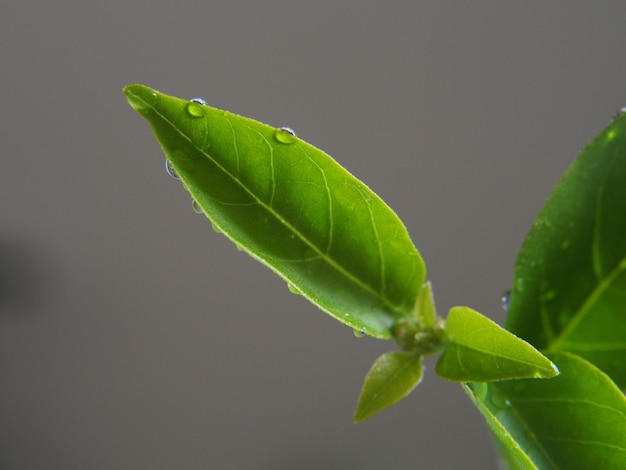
133, 336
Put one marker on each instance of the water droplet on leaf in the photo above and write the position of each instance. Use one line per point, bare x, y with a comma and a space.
170, 170
358, 333
285, 135
198, 101
551, 294
563, 319
499, 401
196, 207
293, 289
194, 109
520, 386
618, 113
505, 300
480, 389
215, 228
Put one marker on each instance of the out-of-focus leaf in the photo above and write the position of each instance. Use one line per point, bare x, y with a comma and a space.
292, 207
569, 291
480, 350
392, 377
574, 421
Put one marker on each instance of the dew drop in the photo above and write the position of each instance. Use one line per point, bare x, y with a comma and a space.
198, 101
196, 207
520, 386
170, 170
480, 390
618, 113
215, 228
358, 333
194, 109
285, 135
530, 436
499, 401
551, 294
293, 289
505, 300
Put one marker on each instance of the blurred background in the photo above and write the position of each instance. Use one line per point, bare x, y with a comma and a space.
132, 336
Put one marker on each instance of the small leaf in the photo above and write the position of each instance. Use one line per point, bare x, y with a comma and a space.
479, 350
576, 420
392, 377
425, 306
292, 207
569, 290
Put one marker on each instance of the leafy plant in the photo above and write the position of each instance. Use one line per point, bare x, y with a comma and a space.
335, 242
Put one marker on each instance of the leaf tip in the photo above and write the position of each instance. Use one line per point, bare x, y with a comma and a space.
360, 416
550, 372
391, 378
140, 97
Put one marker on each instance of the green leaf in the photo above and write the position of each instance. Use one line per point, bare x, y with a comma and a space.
293, 208
391, 378
480, 350
569, 291
425, 307
576, 420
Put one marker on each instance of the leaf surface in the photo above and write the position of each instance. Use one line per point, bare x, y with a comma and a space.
391, 378
480, 350
575, 420
292, 207
568, 299
569, 291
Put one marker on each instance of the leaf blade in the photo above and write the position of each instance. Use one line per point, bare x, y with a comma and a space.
570, 277
293, 208
391, 378
578, 417
480, 350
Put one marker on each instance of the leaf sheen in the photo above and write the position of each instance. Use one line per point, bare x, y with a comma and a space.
292, 207
568, 299
391, 378
576, 420
569, 291
479, 349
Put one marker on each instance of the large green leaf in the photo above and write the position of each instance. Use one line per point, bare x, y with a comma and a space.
569, 299
292, 207
480, 350
574, 421
569, 292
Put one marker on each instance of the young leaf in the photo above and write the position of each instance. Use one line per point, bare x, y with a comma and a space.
293, 208
569, 290
425, 306
576, 420
392, 377
479, 350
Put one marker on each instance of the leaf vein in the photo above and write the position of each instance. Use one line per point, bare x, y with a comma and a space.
339, 268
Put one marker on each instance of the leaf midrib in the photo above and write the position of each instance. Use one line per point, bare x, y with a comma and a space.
339, 268
585, 307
